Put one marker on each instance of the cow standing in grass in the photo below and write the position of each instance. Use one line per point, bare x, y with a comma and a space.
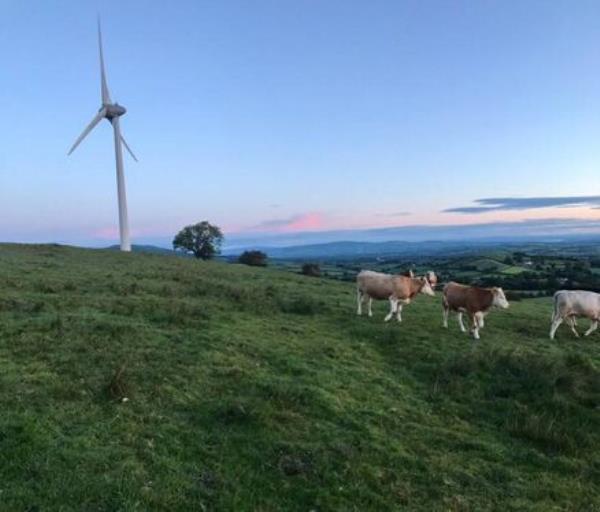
571, 304
398, 290
476, 302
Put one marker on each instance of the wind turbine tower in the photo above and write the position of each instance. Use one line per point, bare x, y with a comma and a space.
112, 112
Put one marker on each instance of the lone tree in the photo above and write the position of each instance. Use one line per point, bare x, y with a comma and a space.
203, 240
253, 258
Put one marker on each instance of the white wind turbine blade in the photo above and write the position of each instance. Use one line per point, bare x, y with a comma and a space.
99, 116
128, 148
103, 84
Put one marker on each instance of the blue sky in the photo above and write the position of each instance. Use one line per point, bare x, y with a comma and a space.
276, 117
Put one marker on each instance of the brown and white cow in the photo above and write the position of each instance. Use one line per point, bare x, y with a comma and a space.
476, 302
399, 290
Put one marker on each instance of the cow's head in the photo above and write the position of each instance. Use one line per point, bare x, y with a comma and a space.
432, 278
499, 298
426, 288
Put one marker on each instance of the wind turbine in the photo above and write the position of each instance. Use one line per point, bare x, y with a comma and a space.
112, 112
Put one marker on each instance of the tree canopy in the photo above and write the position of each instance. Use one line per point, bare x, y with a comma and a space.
203, 240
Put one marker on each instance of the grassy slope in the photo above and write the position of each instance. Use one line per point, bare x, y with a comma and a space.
253, 389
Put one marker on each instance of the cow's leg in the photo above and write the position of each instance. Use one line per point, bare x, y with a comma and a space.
445, 312
359, 301
475, 326
399, 313
480, 320
460, 322
572, 323
556, 321
593, 327
370, 306
393, 308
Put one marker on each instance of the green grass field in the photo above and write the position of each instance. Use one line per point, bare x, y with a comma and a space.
146, 382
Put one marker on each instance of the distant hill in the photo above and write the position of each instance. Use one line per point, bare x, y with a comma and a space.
350, 249
356, 250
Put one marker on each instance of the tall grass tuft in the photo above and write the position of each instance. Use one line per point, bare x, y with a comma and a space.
118, 387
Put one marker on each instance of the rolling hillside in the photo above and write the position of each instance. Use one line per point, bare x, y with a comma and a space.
149, 382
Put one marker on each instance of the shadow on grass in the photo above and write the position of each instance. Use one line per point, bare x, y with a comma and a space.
551, 401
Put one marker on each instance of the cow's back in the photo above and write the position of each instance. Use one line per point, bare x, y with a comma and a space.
577, 303
375, 284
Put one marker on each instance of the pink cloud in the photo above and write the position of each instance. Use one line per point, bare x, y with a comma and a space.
106, 233
311, 221
307, 222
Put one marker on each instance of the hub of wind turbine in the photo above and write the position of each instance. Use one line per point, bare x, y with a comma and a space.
114, 110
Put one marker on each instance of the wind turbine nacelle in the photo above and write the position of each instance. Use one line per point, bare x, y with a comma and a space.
114, 110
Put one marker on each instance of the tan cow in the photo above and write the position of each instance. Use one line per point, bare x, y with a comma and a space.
571, 304
399, 290
476, 302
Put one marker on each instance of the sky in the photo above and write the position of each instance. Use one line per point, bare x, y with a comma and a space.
290, 118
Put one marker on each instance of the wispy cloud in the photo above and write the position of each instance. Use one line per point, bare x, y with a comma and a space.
492, 204
393, 214
300, 222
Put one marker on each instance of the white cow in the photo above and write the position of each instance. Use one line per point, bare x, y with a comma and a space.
571, 304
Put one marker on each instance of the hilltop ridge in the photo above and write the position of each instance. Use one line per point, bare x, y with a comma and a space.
141, 381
